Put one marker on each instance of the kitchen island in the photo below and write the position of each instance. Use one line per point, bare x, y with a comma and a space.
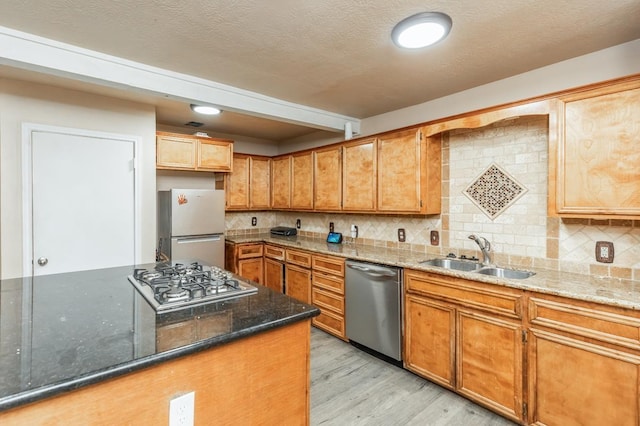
87, 348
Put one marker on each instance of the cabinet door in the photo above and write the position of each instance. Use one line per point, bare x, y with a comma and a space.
572, 382
302, 181
429, 340
259, 182
251, 269
174, 152
598, 159
399, 172
274, 275
327, 171
489, 356
359, 175
237, 183
298, 283
214, 155
281, 182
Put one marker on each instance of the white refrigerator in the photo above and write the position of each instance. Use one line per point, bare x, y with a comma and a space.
191, 226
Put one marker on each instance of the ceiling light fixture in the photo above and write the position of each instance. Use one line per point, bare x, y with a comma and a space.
206, 110
421, 30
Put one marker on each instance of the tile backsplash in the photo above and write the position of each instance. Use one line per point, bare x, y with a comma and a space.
521, 234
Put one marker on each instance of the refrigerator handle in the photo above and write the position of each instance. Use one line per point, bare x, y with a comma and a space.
186, 240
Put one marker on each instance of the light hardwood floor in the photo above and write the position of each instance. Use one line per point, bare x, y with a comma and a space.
351, 387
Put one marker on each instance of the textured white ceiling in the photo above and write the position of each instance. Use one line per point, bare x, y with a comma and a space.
334, 55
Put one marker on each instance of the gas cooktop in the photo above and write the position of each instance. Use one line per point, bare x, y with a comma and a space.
169, 287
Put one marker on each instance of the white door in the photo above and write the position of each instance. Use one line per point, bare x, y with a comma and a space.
83, 202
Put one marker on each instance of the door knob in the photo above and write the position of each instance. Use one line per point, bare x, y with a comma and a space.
43, 261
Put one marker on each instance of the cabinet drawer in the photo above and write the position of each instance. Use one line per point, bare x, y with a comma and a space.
300, 258
331, 323
503, 301
249, 250
326, 300
274, 252
329, 282
330, 265
596, 323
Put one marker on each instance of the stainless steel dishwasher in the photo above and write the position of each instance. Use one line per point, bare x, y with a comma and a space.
373, 312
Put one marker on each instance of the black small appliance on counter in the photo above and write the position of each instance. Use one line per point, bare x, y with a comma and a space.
283, 231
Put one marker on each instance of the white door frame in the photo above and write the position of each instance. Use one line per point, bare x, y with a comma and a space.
27, 185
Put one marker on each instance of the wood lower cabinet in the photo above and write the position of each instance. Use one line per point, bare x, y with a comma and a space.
274, 267
593, 167
327, 293
186, 152
297, 275
584, 363
468, 337
245, 260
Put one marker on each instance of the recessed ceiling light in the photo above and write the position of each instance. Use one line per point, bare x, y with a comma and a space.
421, 30
206, 110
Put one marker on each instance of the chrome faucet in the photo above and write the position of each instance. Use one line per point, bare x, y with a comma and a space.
485, 247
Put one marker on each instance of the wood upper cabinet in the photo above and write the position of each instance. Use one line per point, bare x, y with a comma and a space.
409, 173
584, 363
302, 181
327, 182
468, 337
359, 175
594, 164
281, 182
186, 152
248, 186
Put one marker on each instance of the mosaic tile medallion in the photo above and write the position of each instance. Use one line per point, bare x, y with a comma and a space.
494, 191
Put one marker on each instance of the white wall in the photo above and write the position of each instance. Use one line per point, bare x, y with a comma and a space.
22, 102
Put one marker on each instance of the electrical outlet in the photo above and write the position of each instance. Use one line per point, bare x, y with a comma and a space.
434, 238
254, 221
604, 251
298, 224
181, 410
401, 235
330, 226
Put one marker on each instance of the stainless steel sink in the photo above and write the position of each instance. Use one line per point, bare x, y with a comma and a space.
505, 273
455, 264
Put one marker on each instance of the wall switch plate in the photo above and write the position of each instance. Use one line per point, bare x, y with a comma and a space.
181, 410
434, 237
254, 221
604, 251
401, 235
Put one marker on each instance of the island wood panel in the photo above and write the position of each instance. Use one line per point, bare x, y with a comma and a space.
575, 383
489, 362
327, 193
359, 175
237, 183
281, 182
215, 155
302, 181
259, 182
598, 155
429, 340
267, 382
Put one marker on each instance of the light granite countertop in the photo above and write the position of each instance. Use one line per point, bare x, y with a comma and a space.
610, 291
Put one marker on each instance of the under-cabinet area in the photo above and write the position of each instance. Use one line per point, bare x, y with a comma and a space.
525, 354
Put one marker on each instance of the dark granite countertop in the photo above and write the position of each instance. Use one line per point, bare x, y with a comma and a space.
65, 331
618, 292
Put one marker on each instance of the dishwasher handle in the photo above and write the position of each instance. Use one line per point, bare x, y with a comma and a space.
372, 272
